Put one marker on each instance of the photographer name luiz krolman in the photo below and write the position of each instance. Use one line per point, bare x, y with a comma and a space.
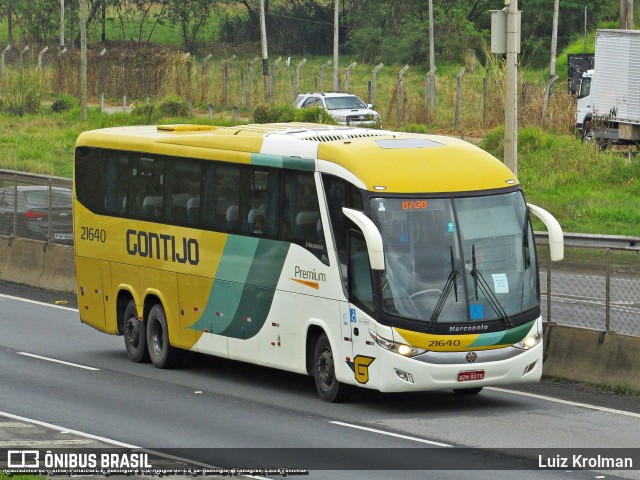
582, 461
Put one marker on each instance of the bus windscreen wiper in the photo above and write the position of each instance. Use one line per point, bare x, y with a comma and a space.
451, 282
480, 282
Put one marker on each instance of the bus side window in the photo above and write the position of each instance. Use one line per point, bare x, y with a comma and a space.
360, 286
183, 186
219, 208
147, 188
340, 193
300, 217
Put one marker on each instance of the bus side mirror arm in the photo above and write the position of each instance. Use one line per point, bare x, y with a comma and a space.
556, 241
371, 235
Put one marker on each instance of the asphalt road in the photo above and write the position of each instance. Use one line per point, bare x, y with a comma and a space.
219, 412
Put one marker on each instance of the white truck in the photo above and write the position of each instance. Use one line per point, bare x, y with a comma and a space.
609, 100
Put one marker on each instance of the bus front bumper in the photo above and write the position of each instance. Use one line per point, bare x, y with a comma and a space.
395, 373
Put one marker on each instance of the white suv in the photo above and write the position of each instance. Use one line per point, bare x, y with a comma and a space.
345, 108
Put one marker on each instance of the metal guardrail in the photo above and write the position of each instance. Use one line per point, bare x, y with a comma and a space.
617, 242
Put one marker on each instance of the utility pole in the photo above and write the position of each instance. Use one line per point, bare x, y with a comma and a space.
511, 94
554, 38
432, 57
336, 66
83, 58
61, 24
585, 29
265, 55
626, 14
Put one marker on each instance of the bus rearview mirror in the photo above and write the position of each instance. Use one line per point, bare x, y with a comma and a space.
371, 235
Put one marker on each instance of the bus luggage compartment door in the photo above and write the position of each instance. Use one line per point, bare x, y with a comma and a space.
91, 293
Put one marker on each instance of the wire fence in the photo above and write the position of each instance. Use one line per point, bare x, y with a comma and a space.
595, 286
128, 75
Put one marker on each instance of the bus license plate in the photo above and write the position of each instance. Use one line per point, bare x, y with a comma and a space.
473, 375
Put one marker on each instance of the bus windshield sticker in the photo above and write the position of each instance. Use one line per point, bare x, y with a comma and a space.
500, 283
381, 207
451, 227
476, 311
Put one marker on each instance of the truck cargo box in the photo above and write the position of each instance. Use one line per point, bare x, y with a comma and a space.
616, 79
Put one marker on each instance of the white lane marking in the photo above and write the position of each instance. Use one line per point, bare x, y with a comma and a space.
67, 430
390, 434
47, 359
35, 302
110, 441
567, 402
532, 395
113, 442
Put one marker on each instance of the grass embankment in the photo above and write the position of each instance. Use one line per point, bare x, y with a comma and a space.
588, 191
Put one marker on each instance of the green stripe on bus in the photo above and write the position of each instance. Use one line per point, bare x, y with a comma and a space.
243, 291
266, 160
228, 285
258, 294
502, 338
276, 161
515, 335
296, 163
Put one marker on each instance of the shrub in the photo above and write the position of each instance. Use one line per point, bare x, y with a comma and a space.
313, 115
288, 113
274, 113
174, 106
23, 92
144, 110
64, 102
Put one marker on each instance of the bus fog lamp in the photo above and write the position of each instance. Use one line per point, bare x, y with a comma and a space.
529, 367
406, 376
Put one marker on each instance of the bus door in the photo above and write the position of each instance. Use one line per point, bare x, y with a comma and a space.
94, 294
361, 307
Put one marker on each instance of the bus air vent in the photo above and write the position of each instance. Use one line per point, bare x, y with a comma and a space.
185, 128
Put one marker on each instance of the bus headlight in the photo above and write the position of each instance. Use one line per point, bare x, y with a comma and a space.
529, 341
395, 347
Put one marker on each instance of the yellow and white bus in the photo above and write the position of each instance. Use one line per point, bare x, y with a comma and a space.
390, 261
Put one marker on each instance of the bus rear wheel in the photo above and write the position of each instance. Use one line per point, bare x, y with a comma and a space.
162, 354
135, 335
324, 373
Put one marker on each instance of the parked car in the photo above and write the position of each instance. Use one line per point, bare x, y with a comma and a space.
33, 212
345, 108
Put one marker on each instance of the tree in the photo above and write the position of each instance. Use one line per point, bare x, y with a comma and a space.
191, 17
138, 12
7, 10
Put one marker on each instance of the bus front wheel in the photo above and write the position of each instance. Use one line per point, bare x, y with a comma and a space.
162, 354
324, 373
135, 335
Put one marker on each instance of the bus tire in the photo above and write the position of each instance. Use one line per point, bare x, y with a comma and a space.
135, 335
468, 391
324, 373
161, 353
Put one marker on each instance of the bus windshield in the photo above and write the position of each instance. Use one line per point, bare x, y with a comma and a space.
453, 260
